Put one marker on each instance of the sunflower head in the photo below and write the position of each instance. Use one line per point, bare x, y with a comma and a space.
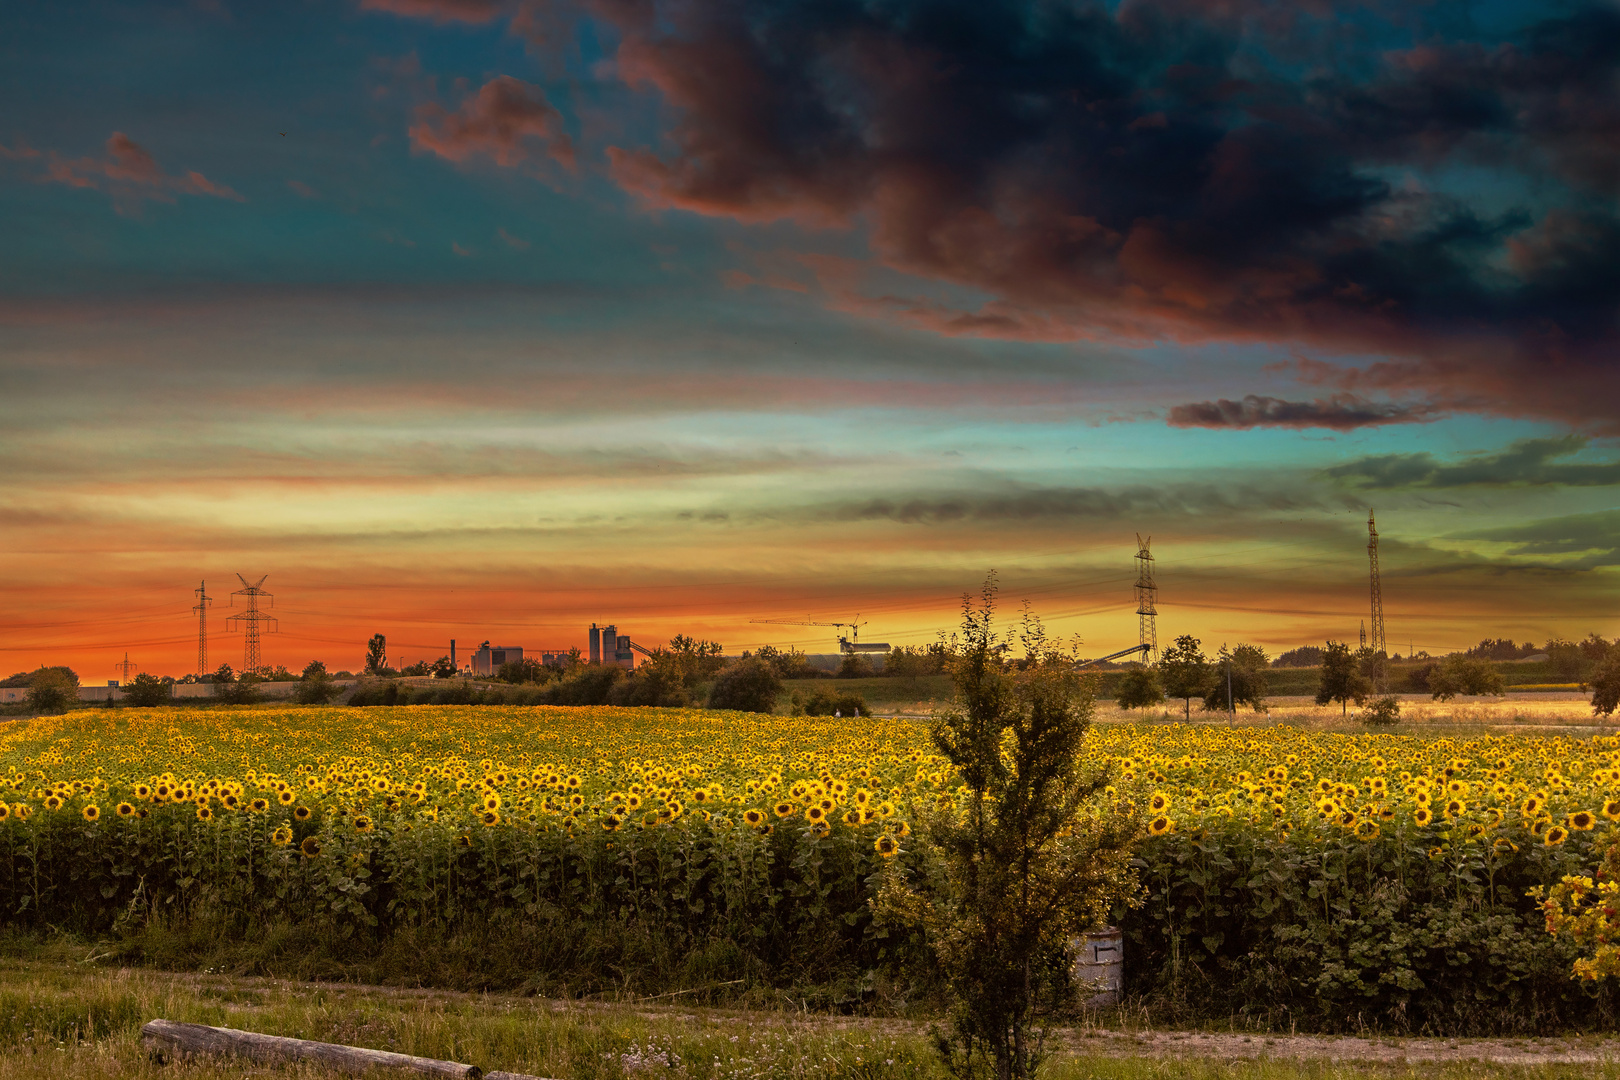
1582, 820
301, 813
91, 812
1161, 825
1555, 836
886, 846
310, 848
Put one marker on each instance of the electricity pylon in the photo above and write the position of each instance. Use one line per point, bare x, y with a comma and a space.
201, 608
1147, 600
1377, 643
124, 667
251, 619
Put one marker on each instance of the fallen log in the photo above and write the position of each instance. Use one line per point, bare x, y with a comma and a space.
167, 1037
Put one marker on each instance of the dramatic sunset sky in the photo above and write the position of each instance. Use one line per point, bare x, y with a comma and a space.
487, 319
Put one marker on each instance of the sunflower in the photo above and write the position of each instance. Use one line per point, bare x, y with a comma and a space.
124, 809
815, 815
286, 797
1555, 836
1456, 808
1504, 846
1367, 830
5, 811
1159, 803
785, 809
302, 813
1423, 815
1161, 825
754, 817
310, 848
852, 817
491, 817
1349, 819
204, 814
1611, 809
259, 806
886, 846
363, 824
281, 837
1531, 806
53, 802
1582, 820
143, 791
230, 801
91, 812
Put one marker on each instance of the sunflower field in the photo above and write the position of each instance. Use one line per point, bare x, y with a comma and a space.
1319, 879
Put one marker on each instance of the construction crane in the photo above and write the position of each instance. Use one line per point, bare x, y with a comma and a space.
845, 644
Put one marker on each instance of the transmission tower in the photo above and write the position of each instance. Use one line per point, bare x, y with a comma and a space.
1377, 643
201, 608
124, 667
1147, 595
251, 620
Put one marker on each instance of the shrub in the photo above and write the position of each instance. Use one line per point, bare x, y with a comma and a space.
1139, 689
1606, 686
147, 691
748, 685
586, 684
380, 692
1384, 711
1460, 673
52, 690
854, 666
826, 702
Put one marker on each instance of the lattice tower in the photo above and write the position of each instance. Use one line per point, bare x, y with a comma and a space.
251, 620
1377, 643
124, 667
201, 608
1147, 596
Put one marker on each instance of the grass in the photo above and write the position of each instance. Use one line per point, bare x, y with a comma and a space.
72, 1020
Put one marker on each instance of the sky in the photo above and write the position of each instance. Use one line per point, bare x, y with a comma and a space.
490, 319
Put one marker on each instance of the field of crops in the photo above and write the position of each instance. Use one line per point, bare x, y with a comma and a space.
1314, 878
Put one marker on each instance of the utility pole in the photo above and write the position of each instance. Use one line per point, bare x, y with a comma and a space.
124, 667
1378, 644
251, 620
1147, 597
201, 608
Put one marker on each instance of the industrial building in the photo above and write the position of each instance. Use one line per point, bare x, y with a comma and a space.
487, 661
608, 646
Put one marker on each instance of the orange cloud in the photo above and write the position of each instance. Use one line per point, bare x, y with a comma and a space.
130, 174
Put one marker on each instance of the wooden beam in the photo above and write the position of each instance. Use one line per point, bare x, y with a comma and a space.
170, 1039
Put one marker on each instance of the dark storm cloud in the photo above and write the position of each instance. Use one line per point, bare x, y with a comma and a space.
1174, 169
1527, 462
1342, 412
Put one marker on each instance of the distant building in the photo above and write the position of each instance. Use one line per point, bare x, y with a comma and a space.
608, 646
487, 661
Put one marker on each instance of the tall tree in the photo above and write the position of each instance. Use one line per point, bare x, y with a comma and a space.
1184, 671
376, 654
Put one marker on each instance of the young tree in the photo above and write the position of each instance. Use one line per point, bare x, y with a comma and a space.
1241, 673
146, 691
1184, 671
1342, 680
1035, 859
1139, 689
52, 689
748, 685
1606, 685
1460, 673
376, 654
315, 687
442, 668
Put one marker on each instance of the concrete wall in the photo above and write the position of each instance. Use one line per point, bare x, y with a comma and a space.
10, 694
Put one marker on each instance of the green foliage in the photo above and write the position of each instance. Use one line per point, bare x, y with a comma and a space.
790, 664
747, 685
854, 666
1034, 861
1383, 712
315, 686
1417, 929
1342, 680
1242, 673
376, 654
1374, 666
699, 661
1461, 673
147, 691
1606, 685
659, 681
1139, 689
232, 690
442, 668
840, 702
52, 690
518, 672
914, 663
1184, 671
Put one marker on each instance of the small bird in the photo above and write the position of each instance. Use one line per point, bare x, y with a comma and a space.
283, 134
